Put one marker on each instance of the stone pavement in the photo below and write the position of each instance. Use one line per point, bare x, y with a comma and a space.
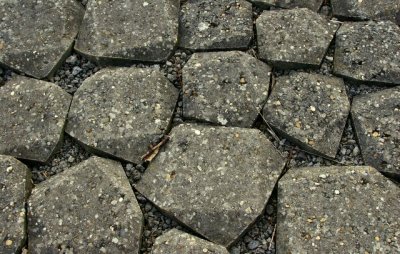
198, 126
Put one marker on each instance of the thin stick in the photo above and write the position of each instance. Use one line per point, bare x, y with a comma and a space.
155, 148
272, 238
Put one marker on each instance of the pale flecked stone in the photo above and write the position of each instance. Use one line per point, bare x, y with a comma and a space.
15, 186
126, 31
37, 36
176, 240
368, 52
226, 88
296, 38
121, 111
337, 210
32, 118
376, 119
215, 180
89, 208
309, 109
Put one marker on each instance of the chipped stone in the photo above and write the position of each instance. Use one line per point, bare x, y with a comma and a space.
209, 200
86, 191
214, 91
32, 118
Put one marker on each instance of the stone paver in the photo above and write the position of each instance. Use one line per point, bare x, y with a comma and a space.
296, 38
36, 36
15, 185
309, 109
121, 31
32, 118
215, 180
337, 210
313, 5
176, 240
213, 25
366, 9
376, 119
89, 208
120, 111
368, 52
227, 88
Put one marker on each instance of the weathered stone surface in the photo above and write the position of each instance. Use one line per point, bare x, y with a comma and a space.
177, 241
368, 51
36, 36
376, 119
133, 30
337, 210
313, 5
227, 88
120, 111
297, 38
309, 109
15, 185
366, 9
215, 180
32, 118
212, 25
89, 208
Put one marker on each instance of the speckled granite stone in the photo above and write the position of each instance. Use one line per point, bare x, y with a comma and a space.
132, 30
309, 109
177, 241
89, 208
337, 210
32, 118
120, 111
227, 88
368, 52
15, 186
376, 119
215, 180
37, 36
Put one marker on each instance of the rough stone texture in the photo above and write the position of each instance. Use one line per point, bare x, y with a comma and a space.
376, 119
89, 208
368, 51
309, 109
15, 185
212, 25
366, 9
227, 88
337, 210
32, 118
120, 31
297, 38
120, 111
313, 5
175, 241
215, 180
36, 36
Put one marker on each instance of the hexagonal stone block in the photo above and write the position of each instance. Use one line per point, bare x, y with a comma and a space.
310, 110
43, 36
15, 186
376, 119
120, 111
368, 52
175, 240
32, 118
215, 180
227, 88
366, 9
213, 25
89, 208
337, 210
132, 30
313, 5
297, 38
